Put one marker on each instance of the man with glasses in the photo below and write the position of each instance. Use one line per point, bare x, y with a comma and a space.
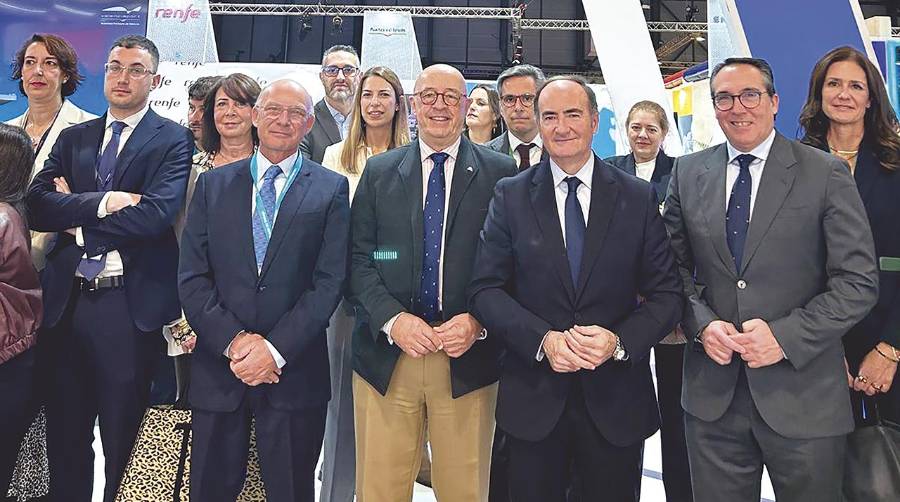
111, 189
518, 87
339, 76
774, 247
263, 264
417, 352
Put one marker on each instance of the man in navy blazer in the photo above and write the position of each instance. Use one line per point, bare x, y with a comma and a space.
566, 249
264, 256
111, 188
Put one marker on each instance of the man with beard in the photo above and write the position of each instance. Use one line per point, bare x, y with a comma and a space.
196, 95
340, 76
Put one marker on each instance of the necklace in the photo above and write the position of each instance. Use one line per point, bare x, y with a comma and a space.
37, 132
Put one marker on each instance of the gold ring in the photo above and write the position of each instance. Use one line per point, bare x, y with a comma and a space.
878, 387
862, 378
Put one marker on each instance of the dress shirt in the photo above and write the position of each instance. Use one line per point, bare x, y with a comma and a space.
761, 152
534, 155
644, 170
114, 265
342, 121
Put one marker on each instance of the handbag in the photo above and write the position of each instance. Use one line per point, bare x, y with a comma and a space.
872, 464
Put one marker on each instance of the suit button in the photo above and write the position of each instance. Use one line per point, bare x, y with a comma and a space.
101, 249
261, 288
577, 317
741, 284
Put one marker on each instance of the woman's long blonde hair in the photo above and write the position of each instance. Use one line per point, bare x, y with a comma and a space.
355, 144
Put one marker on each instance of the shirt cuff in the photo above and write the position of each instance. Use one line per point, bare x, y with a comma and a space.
279, 361
101, 209
540, 353
386, 329
79, 237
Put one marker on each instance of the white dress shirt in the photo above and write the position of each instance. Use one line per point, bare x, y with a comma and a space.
644, 170
534, 155
761, 152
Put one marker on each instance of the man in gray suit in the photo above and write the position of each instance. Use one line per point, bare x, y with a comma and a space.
778, 263
339, 76
518, 87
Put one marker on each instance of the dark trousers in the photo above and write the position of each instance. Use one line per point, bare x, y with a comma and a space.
540, 471
727, 457
99, 364
288, 442
675, 468
16, 384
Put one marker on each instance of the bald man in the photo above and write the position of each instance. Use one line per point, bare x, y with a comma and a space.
263, 262
417, 352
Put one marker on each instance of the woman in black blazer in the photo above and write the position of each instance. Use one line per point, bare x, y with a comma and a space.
848, 113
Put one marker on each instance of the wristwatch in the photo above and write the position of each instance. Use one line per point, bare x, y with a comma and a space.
619, 353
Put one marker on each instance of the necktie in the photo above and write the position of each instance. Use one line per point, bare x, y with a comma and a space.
524, 150
433, 227
265, 205
90, 268
737, 218
574, 229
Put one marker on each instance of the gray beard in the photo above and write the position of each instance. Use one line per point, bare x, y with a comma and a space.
342, 96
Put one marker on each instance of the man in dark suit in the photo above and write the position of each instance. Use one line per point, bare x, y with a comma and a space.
263, 262
417, 352
111, 188
517, 87
566, 249
776, 254
339, 76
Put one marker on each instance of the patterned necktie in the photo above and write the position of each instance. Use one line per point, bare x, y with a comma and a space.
265, 205
737, 218
524, 150
90, 268
433, 227
574, 228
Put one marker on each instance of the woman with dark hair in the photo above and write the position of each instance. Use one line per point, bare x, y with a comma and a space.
20, 298
483, 119
847, 112
46, 67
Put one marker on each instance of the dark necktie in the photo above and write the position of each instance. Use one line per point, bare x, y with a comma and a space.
574, 228
90, 268
267, 197
524, 150
737, 219
433, 227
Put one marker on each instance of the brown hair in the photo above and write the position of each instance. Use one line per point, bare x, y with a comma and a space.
652, 108
15, 171
880, 121
355, 142
58, 48
494, 102
238, 87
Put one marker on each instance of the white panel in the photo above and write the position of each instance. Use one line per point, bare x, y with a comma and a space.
182, 30
389, 39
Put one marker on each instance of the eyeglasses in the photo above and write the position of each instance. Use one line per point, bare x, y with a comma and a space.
133, 71
509, 100
749, 99
429, 97
273, 112
332, 71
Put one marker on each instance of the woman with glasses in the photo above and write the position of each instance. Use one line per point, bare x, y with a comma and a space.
847, 112
483, 120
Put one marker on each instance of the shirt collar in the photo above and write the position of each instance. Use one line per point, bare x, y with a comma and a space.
263, 164
452, 150
337, 115
761, 151
130, 121
514, 142
585, 174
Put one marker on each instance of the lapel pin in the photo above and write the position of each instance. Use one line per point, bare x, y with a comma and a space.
470, 169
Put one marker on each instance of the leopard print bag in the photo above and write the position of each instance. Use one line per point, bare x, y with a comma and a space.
159, 467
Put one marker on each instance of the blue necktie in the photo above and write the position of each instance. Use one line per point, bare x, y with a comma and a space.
737, 219
267, 197
574, 228
433, 227
90, 268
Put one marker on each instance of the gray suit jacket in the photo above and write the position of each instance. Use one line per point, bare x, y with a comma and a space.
809, 271
323, 134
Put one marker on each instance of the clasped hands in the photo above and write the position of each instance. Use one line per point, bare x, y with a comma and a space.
417, 338
756, 345
251, 361
579, 348
116, 201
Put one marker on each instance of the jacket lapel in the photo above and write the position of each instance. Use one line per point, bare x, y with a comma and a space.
289, 207
85, 178
146, 130
464, 171
604, 193
630, 167
543, 203
410, 171
239, 211
866, 172
712, 195
324, 117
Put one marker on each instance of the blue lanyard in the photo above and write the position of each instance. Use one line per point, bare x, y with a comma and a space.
295, 170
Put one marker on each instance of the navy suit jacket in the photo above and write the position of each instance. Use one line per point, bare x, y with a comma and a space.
289, 301
662, 173
154, 162
522, 287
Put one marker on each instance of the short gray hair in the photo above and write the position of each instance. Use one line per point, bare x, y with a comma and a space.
592, 98
522, 70
339, 48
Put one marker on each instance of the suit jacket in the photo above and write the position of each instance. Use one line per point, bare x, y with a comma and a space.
501, 144
288, 302
522, 288
661, 173
809, 272
324, 133
69, 115
387, 255
154, 162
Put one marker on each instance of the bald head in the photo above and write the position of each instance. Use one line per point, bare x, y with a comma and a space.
450, 76
286, 86
283, 115
439, 103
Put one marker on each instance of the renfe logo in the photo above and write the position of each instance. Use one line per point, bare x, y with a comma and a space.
180, 14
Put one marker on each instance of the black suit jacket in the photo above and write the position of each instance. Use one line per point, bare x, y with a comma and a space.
288, 302
387, 255
154, 162
662, 173
501, 144
522, 288
324, 133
